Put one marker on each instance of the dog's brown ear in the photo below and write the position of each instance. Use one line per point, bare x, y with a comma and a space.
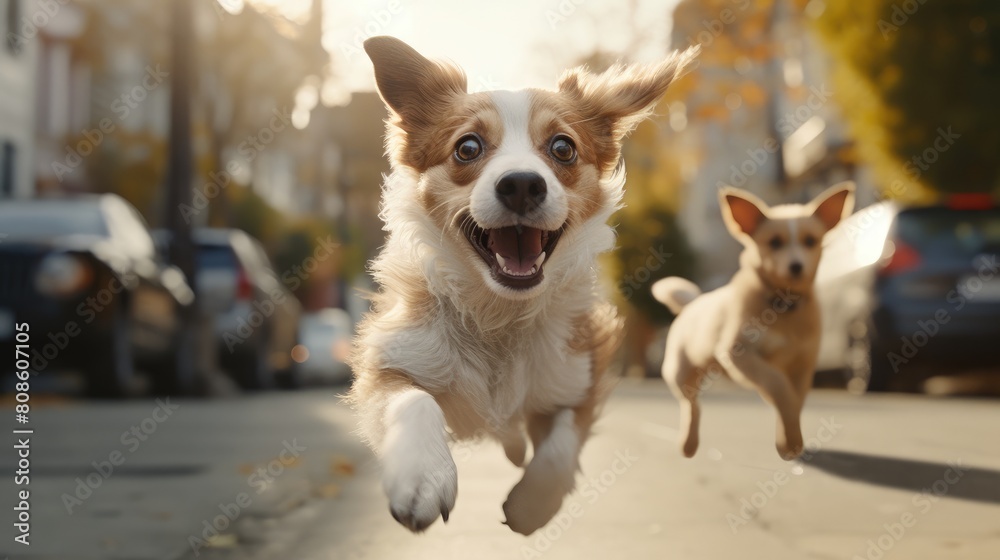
834, 204
742, 211
622, 96
413, 87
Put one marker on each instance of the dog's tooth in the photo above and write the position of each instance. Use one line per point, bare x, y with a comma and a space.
501, 260
505, 269
540, 259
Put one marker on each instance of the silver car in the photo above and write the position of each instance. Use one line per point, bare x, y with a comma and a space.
256, 316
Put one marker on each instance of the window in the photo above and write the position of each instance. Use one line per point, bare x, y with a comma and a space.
8, 158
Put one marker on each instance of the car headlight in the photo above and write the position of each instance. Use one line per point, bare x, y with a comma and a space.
63, 275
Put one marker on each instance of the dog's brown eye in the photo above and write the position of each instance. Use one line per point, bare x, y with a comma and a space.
468, 148
809, 241
563, 150
775, 243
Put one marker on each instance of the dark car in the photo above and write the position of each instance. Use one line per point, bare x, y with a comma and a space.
84, 276
256, 318
911, 293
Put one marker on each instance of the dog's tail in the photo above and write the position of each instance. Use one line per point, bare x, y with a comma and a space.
675, 292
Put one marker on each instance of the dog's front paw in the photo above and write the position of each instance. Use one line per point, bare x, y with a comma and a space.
421, 489
533, 502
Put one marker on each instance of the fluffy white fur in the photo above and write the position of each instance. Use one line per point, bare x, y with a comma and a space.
448, 350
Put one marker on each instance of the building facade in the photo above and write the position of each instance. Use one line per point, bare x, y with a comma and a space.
18, 68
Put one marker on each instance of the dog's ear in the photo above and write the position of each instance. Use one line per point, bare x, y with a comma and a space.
622, 96
416, 89
834, 204
742, 211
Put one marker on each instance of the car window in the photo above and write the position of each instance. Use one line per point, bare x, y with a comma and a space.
45, 219
128, 228
216, 257
857, 242
944, 230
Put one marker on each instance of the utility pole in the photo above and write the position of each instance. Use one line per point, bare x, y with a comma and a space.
179, 175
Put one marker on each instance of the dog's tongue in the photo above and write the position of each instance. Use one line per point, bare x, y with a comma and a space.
519, 246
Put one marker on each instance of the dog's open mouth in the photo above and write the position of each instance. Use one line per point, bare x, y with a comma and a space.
514, 254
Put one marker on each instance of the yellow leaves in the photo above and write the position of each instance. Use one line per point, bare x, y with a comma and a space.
753, 94
890, 76
222, 541
716, 112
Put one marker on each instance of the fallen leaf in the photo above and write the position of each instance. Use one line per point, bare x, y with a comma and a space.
227, 540
341, 466
327, 491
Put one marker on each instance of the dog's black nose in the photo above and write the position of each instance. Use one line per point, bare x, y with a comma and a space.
795, 268
521, 191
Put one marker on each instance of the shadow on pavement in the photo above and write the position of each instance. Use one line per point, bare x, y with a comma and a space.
955, 479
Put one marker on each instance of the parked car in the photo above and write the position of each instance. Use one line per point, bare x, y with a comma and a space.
256, 317
907, 293
324, 348
83, 275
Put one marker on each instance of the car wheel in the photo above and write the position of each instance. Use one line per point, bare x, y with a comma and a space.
291, 377
112, 373
880, 370
254, 371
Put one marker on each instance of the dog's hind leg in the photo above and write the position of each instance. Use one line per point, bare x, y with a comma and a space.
549, 476
514, 444
685, 383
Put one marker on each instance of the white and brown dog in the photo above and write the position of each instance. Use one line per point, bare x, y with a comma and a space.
763, 328
488, 321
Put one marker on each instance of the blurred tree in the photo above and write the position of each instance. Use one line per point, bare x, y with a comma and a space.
915, 78
252, 64
651, 244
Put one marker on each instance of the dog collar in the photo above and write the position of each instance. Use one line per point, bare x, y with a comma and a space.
784, 301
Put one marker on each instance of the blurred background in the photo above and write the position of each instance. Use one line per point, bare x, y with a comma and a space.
189, 195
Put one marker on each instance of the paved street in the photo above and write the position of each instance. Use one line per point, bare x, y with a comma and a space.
280, 476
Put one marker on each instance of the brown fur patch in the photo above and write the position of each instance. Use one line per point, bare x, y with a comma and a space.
551, 115
600, 334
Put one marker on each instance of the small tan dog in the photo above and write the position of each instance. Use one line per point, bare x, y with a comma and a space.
763, 327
